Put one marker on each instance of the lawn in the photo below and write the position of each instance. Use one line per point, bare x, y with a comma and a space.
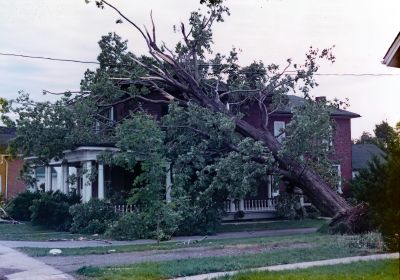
272, 225
365, 270
273, 241
32, 233
325, 247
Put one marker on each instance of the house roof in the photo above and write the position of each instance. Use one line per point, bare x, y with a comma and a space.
296, 101
6, 134
362, 154
392, 56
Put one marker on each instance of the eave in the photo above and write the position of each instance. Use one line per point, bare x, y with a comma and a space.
392, 56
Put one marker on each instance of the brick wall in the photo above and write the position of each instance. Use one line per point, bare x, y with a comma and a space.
15, 185
342, 146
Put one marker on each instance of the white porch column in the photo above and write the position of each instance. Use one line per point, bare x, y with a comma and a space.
232, 205
100, 180
48, 178
86, 183
241, 205
269, 191
302, 200
64, 178
168, 184
35, 186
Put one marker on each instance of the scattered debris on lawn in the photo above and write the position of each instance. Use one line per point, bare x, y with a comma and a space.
192, 241
55, 252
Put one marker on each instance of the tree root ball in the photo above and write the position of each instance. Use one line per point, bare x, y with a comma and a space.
353, 221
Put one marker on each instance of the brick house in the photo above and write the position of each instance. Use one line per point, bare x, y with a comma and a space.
111, 179
10, 167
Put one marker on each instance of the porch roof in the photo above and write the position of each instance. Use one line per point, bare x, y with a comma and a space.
83, 153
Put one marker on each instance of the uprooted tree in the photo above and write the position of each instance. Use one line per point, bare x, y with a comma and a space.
205, 135
193, 79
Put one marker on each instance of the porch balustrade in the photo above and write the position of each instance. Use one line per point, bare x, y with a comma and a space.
124, 209
249, 205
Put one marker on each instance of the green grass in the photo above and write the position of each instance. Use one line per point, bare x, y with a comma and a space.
366, 270
271, 225
262, 241
325, 248
27, 232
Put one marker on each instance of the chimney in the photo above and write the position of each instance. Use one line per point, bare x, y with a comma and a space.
321, 99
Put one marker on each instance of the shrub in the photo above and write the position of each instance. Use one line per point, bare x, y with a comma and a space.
128, 227
160, 225
92, 217
288, 207
19, 207
51, 210
312, 212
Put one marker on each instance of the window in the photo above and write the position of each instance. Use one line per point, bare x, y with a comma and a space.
338, 172
279, 130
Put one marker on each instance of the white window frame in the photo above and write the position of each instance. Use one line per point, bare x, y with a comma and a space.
338, 167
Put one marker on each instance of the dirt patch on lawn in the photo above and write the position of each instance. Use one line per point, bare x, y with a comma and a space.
72, 263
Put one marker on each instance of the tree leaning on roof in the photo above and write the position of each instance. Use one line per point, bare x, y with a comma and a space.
194, 80
204, 126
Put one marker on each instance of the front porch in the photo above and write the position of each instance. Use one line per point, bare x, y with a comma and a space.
81, 172
250, 209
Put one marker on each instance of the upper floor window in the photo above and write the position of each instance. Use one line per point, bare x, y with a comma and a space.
279, 130
338, 172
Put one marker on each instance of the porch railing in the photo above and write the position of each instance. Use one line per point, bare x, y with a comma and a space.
249, 205
124, 209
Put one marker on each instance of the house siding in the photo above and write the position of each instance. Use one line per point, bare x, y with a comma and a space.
342, 149
15, 185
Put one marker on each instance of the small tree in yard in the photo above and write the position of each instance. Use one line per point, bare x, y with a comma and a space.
379, 187
214, 151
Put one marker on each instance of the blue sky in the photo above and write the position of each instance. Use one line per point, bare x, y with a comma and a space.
267, 30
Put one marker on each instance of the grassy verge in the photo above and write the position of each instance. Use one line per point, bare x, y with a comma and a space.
27, 232
325, 248
273, 241
33, 233
371, 270
271, 225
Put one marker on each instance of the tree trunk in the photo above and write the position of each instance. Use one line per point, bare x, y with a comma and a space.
317, 190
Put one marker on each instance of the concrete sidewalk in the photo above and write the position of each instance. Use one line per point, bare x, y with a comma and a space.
97, 243
293, 266
17, 266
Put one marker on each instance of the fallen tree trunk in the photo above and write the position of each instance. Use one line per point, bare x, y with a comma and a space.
186, 88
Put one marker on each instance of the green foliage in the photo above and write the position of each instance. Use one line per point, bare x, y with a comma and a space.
288, 207
51, 210
158, 224
312, 212
383, 135
311, 122
92, 217
210, 160
379, 187
19, 207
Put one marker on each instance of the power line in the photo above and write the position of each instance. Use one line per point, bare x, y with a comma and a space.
289, 72
49, 58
